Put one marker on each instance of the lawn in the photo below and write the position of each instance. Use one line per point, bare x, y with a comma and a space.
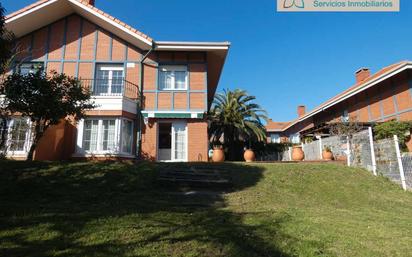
119, 209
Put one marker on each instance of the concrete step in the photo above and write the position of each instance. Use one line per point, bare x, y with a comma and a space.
190, 180
194, 177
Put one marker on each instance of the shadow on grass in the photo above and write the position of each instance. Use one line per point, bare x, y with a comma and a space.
119, 209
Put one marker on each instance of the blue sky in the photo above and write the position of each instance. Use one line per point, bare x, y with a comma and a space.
284, 59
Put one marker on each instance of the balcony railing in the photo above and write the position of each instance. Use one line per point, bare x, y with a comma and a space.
112, 87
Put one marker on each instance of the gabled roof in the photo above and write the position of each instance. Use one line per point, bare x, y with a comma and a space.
274, 126
373, 80
44, 12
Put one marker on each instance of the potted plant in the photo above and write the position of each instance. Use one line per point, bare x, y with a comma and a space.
327, 153
249, 155
218, 153
297, 153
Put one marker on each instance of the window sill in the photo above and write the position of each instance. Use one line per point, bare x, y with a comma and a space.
102, 154
171, 90
107, 96
17, 154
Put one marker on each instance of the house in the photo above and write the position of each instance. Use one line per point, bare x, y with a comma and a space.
152, 96
385, 95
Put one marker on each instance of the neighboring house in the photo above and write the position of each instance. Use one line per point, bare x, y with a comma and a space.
171, 84
380, 97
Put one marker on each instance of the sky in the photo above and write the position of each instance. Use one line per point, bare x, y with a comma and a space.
284, 59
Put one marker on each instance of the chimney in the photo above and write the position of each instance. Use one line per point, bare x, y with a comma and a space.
301, 110
362, 74
91, 2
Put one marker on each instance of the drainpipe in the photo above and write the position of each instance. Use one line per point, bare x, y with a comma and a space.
140, 103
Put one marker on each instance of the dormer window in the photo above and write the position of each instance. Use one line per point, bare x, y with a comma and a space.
173, 77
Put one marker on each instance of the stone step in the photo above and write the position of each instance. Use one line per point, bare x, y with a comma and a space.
194, 176
194, 179
196, 171
190, 175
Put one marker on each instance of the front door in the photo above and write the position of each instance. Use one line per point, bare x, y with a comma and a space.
172, 141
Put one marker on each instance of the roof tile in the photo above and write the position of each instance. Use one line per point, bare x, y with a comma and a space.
381, 72
40, 2
273, 125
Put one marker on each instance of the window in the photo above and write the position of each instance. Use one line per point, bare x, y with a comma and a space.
179, 134
109, 80
106, 135
99, 135
17, 133
345, 116
173, 77
127, 136
91, 130
109, 135
295, 138
3, 131
274, 138
30, 68
19, 130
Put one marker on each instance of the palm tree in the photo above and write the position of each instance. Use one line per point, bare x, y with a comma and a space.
235, 119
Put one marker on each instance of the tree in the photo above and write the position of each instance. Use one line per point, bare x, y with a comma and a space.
236, 119
46, 100
6, 43
6, 54
347, 129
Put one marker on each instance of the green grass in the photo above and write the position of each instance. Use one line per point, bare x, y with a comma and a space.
118, 209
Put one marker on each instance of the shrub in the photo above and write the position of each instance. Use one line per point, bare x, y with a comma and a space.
390, 128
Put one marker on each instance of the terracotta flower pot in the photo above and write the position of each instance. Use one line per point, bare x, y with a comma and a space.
297, 153
327, 155
218, 155
249, 155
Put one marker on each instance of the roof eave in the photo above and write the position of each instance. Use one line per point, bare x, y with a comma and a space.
369, 84
217, 53
191, 46
50, 11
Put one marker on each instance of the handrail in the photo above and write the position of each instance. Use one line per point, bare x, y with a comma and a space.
112, 87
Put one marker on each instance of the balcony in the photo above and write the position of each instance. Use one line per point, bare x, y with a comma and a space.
113, 95
112, 88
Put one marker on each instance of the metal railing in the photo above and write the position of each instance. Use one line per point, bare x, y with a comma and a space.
112, 87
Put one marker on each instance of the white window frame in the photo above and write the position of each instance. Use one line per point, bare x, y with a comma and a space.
275, 138
174, 123
294, 138
110, 68
118, 149
27, 142
173, 68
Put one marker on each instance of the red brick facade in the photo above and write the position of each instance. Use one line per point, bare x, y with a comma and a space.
74, 46
388, 99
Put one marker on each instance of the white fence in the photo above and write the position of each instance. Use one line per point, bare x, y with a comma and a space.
381, 157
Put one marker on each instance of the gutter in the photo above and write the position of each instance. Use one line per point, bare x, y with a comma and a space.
140, 103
